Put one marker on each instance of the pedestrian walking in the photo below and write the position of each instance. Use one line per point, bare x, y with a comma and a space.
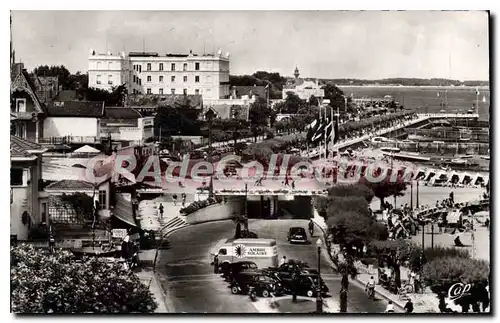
160, 208
216, 264
409, 306
183, 199
283, 261
174, 197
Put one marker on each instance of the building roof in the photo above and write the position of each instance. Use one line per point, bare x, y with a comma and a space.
121, 113
82, 109
173, 100
70, 185
66, 95
250, 91
21, 81
22, 148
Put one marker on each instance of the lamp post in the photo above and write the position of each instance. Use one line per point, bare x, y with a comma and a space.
246, 215
319, 299
417, 192
411, 195
209, 115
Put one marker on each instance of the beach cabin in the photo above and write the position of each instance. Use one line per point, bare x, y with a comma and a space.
454, 177
466, 179
429, 175
478, 179
419, 175
439, 180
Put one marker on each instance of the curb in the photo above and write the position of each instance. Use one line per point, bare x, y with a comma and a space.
166, 301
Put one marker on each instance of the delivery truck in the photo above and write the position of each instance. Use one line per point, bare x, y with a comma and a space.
263, 252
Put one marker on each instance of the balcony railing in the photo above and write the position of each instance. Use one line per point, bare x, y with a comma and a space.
70, 140
23, 115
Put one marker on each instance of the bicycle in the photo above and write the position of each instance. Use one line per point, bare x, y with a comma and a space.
404, 291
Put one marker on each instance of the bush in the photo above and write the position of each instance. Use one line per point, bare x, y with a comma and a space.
198, 205
441, 273
42, 282
430, 254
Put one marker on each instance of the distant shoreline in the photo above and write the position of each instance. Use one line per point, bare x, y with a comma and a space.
417, 86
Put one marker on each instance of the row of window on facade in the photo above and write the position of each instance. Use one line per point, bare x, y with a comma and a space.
110, 79
137, 80
161, 92
138, 67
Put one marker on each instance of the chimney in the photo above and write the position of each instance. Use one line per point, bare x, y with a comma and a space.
19, 67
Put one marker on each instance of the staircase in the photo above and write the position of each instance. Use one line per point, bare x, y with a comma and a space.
150, 217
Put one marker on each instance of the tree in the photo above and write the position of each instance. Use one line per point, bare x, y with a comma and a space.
385, 188
293, 103
44, 282
114, 98
352, 190
258, 116
442, 273
175, 121
313, 101
335, 95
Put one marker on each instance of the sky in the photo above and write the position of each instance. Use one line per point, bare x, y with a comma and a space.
322, 44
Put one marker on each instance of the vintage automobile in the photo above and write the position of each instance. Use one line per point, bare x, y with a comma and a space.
304, 283
233, 269
263, 284
297, 235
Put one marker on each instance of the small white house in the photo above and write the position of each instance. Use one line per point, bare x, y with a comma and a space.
78, 121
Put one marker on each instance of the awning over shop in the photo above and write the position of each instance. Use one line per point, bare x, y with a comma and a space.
123, 209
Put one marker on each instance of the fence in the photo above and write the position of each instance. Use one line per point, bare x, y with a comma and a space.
475, 135
70, 140
439, 148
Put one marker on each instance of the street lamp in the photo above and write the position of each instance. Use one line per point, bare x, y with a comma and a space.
209, 115
319, 299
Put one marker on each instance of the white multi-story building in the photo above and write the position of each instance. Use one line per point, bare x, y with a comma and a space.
150, 73
304, 89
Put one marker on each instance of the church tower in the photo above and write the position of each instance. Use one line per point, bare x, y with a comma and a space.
296, 72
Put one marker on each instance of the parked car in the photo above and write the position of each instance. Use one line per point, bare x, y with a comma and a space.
292, 267
305, 283
264, 285
298, 235
230, 270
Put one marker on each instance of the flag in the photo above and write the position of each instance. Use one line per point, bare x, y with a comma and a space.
267, 86
484, 98
438, 94
319, 134
312, 128
328, 129
477, 91
336, 130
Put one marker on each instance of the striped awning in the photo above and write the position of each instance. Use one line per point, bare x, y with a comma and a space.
123, 210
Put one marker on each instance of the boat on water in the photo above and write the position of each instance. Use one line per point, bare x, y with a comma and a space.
408, 156
461, 162
390, 149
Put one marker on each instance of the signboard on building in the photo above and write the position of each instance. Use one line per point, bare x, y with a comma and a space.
119, 233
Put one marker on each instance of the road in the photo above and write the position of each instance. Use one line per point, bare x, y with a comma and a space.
191, 287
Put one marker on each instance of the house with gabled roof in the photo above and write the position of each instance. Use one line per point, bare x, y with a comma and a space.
25, 105
27, 209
